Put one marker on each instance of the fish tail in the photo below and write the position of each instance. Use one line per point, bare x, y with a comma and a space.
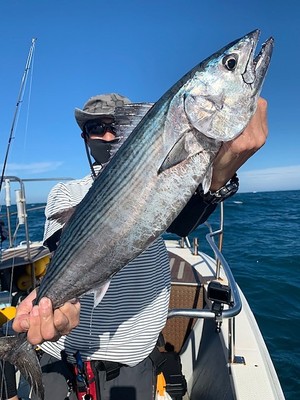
19, 352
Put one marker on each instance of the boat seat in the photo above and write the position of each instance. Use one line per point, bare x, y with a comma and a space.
186, 292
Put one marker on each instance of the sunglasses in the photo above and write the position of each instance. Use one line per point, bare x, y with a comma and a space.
99, 128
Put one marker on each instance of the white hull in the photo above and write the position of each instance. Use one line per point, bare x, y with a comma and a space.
212, 369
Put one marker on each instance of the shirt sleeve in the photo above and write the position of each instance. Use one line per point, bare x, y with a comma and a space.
59, 199
196, 212
63, 196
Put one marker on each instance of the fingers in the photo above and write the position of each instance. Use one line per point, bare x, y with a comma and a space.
235, 153
254, 135
21, 320
49, 325
42, 323
66, 317
262, 107
41, 326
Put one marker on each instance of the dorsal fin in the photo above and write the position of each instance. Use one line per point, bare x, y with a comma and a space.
127, 118
63, 216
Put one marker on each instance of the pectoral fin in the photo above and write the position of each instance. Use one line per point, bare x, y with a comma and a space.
175, 156
186, 147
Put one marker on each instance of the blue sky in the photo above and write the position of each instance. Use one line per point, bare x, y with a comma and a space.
139, 49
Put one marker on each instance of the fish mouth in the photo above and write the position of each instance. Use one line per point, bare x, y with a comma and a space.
256, 67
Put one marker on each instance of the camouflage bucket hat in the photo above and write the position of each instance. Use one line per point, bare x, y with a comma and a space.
99, 106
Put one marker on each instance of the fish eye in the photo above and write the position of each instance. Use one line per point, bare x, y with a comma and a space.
230, 62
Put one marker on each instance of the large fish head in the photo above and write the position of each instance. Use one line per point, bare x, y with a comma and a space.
221, 96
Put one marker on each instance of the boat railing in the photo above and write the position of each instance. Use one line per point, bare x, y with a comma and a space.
235, 305
22, 210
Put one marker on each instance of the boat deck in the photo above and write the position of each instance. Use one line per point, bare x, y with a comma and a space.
17, 256
186, 292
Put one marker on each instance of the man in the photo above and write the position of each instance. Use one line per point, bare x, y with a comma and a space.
124, 327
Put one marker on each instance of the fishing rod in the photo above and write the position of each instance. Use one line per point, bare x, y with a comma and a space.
19, 101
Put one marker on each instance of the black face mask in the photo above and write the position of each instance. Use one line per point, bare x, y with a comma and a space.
102, 150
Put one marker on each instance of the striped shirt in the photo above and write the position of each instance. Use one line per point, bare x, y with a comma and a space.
125, 326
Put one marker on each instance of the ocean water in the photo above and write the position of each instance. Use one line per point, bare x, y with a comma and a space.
262, 246
263, 249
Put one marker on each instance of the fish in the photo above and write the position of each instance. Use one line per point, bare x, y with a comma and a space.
150, 179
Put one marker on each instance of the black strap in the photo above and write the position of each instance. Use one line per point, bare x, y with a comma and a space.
158, 359
111, 368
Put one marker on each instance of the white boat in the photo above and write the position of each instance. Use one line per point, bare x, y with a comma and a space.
210, 324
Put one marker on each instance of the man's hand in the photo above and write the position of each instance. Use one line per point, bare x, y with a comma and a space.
234, 154
41, 322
